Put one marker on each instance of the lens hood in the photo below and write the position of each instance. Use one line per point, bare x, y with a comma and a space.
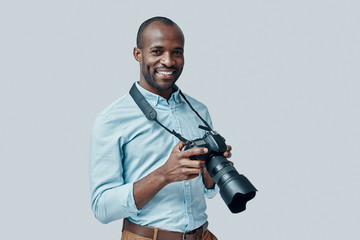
236, 192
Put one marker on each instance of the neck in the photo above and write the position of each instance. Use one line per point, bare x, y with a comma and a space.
163, 93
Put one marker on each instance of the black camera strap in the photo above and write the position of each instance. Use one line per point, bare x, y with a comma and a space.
208, 128
151, 113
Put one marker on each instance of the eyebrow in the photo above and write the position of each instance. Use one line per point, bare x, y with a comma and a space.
157, 47
160, 47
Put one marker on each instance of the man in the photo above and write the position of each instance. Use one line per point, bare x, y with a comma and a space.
139, 171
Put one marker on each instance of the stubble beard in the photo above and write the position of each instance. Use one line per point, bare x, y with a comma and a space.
150, 79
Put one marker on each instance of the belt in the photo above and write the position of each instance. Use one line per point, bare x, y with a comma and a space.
160, 234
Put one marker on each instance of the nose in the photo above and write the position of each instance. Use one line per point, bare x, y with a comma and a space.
167, 60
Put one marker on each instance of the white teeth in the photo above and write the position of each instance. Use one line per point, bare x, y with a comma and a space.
165, 73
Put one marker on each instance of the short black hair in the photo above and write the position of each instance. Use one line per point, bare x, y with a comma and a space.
143, 26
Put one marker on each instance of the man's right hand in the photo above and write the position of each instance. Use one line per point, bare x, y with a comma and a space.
180, 167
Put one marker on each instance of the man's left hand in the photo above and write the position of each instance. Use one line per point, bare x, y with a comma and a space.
208, 181
228, 154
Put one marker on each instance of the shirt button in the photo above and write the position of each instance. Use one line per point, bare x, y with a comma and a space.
189, 210
186, 183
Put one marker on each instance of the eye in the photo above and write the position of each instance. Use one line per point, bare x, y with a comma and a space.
156, 52
178, 53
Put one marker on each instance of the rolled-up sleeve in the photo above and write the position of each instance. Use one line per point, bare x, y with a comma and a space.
210, 193
111, 197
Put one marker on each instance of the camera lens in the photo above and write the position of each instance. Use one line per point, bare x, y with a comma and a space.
235, 189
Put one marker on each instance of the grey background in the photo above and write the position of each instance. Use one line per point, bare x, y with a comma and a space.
280, 78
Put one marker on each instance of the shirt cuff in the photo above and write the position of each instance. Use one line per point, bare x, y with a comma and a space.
130, 201
210, 193
116, 203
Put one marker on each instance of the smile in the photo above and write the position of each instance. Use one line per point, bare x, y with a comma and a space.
167, 73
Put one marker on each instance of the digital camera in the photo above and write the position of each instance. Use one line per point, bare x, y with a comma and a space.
235, 188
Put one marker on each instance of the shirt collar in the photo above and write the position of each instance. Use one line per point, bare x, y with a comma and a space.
154, 99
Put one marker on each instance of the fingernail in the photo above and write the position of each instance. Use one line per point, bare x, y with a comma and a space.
205, 150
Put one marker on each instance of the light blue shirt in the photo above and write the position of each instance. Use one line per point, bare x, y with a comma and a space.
125, 147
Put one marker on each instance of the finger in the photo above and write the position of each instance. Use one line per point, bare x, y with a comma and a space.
179, 146
194, 152
228, 148
192, 164
192, 171
227, 154
193, 176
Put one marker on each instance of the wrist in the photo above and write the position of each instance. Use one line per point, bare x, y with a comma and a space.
162, 177
208, 180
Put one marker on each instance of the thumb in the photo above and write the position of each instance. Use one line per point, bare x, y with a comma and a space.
179, 146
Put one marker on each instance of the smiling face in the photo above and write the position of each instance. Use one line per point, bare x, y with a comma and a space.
161, 58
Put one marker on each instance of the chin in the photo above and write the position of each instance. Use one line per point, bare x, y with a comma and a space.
164, 84
167, 86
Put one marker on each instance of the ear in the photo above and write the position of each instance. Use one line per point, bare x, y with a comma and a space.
137, 54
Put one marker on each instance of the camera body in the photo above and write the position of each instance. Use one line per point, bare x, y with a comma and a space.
213, 141
235, 189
